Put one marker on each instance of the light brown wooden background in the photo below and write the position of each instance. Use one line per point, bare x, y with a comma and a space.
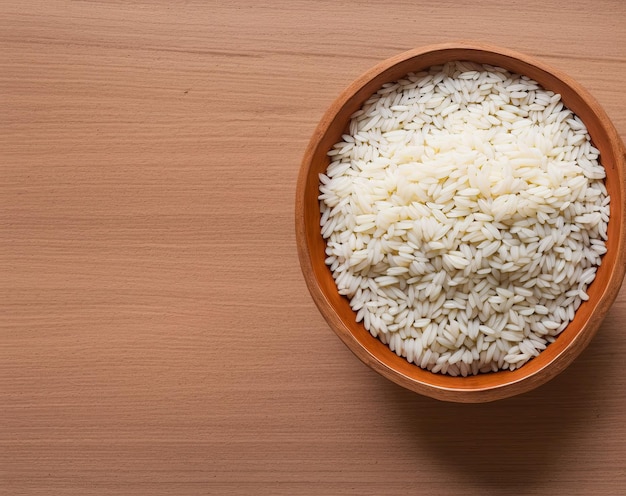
156, 335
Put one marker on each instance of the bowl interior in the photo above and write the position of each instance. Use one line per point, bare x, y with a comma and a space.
336, 309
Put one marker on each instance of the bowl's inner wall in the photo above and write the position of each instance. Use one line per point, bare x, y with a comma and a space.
342, 319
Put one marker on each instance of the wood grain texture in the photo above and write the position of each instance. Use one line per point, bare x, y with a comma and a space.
156, 335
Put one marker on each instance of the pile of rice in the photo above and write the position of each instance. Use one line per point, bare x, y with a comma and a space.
465, 215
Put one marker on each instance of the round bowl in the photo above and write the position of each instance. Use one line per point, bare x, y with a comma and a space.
336, 309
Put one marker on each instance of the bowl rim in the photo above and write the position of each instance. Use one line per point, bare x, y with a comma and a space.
450, 393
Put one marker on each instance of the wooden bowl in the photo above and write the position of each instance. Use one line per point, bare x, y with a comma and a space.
335, 308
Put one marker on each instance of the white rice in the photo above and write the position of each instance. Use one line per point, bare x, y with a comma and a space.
465, 216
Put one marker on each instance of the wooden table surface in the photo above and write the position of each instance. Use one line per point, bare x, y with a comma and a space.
156, 334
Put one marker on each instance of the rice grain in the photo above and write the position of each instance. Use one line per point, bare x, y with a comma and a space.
465, 217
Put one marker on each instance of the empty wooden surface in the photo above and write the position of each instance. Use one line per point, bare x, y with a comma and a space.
156, 335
